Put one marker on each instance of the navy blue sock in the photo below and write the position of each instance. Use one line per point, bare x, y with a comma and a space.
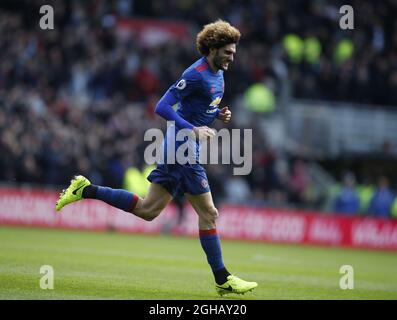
118, 198
211, 244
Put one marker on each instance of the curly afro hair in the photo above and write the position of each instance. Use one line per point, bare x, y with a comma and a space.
216, 35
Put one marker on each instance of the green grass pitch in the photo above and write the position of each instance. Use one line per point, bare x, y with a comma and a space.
89, 265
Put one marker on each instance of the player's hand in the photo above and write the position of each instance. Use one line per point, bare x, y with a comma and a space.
204, 133
225, 115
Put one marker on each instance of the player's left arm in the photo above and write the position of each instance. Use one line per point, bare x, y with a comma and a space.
225, 115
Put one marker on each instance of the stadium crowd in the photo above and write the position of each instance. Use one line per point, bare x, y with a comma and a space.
79, 99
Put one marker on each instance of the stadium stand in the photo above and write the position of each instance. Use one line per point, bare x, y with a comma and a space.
79, 98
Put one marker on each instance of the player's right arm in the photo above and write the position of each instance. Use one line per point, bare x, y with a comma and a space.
165, 110
186, 85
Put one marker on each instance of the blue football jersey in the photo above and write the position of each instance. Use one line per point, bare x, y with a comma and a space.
199, 92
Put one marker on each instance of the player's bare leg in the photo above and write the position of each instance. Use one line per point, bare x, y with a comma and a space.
210, 242
205, 208
151, 206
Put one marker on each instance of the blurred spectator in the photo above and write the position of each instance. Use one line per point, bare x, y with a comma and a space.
298, 182
135, 179
347, 201
237, 190
365, 192
394, 208
382, 199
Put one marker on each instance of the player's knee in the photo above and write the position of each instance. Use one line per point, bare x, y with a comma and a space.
212, 214
152, 212
149, 217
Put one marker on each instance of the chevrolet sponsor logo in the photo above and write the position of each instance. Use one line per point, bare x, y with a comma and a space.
216, 102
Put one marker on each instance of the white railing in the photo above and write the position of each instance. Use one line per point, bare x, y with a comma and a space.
335, 128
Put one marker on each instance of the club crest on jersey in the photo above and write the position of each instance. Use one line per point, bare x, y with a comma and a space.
181, 84
216, 102
204, 183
